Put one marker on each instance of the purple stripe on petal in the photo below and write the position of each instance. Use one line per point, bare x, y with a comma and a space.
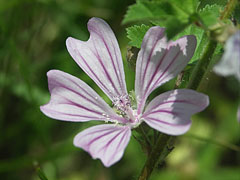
105, 71
159, 36
165, 71
170, 112
73, 100
62, 115
167, 128
148, 89
120, 81
106, 142
100, 58
91, 73
159, 61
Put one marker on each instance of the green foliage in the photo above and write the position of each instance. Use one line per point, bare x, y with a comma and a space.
209, 14
203, 3
135, 34
150, 10
170, 14
41, 174
173, 14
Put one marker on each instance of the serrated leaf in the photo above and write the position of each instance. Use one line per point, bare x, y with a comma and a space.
136, 34
155, 10
210, 14
203, 3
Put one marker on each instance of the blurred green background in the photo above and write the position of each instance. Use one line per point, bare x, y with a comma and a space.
32, 36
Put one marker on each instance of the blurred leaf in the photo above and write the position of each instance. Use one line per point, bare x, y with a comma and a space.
236, 13
136, 34
185, 6
4, 5
221, 174
41, 174
209, 14
174, 26
203, 3
150, 10
20, 89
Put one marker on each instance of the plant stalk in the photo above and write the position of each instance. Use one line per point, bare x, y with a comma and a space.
202, 66
161, 149
228, 9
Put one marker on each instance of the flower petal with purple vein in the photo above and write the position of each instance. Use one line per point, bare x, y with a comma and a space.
100, 58
106, 142
171, 111
159, 61
73, 100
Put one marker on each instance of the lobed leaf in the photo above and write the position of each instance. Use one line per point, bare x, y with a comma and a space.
210, 14
136, 34
160, 10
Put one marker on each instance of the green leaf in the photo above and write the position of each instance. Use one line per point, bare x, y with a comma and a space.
157, 10
136, 34
203, 3
41, 174
210, 14
186, 6
174, 26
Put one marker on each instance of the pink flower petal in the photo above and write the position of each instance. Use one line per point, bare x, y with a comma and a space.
74, 100
100, 58
170, 112
159, 61
106, 142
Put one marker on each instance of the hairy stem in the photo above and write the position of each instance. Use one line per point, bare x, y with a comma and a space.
202, 65
228, 9
160, 150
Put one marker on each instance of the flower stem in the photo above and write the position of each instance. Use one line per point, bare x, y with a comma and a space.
202, 65
228, 9
161, 149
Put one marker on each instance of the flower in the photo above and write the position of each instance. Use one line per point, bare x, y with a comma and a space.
158, 61
230, 62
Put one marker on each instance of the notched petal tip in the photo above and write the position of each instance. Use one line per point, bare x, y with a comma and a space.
100, 57
159, 61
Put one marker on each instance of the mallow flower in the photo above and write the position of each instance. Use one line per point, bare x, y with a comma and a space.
230, 62
158, 61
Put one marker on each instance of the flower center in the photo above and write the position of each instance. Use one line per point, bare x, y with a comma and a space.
124, 108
